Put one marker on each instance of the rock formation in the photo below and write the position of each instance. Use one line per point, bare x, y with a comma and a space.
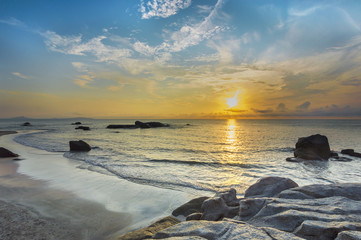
4, 153
79, 146
314, 147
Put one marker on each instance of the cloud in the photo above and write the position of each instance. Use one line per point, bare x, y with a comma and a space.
303, 106
281, 107
74, 45
351, 82
262, 111
162, 8
20, 75
235, 110
12, 21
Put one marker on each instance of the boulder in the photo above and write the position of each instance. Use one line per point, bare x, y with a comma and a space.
315, 147
79, 146
149, 231
351, 152
230, 230
83, 128
5, 153
214, 209
26, 124
230, 197
269, 187
190, 207
76, 123
349, 235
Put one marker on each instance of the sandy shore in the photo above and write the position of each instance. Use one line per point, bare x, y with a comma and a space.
46, 196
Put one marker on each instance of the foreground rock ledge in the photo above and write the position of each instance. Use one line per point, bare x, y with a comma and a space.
282, 211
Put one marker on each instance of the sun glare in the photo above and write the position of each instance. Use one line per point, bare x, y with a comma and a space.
232, 102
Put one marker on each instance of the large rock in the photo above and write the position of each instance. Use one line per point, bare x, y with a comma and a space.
148, 232
83, 128
139, 124
349, 235
193, 206
26, 124
214, 209
4, 153
230, 197
79, 146
222, 230
269, 187
315, 147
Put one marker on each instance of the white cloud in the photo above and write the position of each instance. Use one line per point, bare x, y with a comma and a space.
20, 75
74, 45
12, 21
162, 8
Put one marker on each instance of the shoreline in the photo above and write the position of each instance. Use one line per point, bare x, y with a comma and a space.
54, 187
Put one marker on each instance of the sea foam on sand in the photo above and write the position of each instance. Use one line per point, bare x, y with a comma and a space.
86, 204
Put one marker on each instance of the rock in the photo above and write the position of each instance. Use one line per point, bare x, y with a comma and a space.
114, 126
349, 235
293, 159
149, 231
83, 128
79, 146
139, 124
190, 207
194, 216
269, 187
26, 124
157, 124
76, 123
215, 209
341, 159
5, 153
315, 147
230, 197
229, 230
351, 152
249, 207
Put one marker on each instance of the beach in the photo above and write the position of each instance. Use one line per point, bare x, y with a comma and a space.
45, 196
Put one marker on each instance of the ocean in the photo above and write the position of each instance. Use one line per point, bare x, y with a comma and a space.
198, 156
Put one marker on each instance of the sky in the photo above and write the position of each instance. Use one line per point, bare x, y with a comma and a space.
180, 59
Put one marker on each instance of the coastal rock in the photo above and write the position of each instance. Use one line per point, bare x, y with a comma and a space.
315, 147
269, 187
142, 124
214, 209
4, 153
26, 124
79, 146
76, 123
190, 207
149, 231
230, 197
194, 216
139, 124
351, 152
83, 128
115, 126
349, 235
230, 230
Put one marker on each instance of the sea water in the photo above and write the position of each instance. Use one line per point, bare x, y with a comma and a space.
198, 156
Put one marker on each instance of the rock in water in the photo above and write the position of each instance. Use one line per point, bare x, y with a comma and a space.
351, 152
84, 128
25, 124
315, 147
4, 153
79, 146
269, 187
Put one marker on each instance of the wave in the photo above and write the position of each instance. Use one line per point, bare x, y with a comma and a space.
202, 163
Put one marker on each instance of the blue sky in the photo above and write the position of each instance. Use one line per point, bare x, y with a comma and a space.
180, 58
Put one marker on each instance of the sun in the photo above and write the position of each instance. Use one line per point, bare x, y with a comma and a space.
232, 102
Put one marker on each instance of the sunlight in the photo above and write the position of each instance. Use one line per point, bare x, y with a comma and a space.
232, 102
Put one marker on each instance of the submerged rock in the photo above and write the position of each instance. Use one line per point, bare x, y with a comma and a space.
79, 146
269, 187
351, 152
152, 229
83, 128
314, 147
76, 123
5, 153
26, 124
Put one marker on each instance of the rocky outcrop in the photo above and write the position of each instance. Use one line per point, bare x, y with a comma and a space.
83, 128
214, 209
314, 147
139, 124
228, 229
5, 153
193, 206
79, 146
269, 187
76, 123
351, 152
148, 232
26, 124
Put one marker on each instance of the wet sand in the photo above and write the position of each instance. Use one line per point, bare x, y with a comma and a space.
46, 196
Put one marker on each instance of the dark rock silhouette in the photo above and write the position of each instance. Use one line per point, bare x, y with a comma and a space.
79, 146
4, 153
351, 152
26, 124
76, 123
139, 124
314, 147
193, 206
83, 128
